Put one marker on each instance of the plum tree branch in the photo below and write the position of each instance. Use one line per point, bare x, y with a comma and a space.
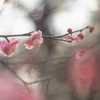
45, 36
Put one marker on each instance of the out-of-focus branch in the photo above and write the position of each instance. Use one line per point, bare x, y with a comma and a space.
47, 89
26, 83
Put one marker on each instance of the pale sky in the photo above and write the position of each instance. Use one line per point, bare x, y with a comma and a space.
77, 17
15, 20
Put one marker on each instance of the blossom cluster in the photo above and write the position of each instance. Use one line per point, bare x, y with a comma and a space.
8, 47
78, 37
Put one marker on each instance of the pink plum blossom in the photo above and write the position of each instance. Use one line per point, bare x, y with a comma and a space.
35, 40
69, 37
8, 48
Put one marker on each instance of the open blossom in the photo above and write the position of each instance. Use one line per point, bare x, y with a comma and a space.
35, 40
8, 48
69, 37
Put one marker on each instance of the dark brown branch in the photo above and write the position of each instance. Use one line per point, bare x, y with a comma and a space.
6, 66
45, 36
80, 30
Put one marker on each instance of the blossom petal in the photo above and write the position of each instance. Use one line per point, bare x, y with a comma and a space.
76, 39
14, 41
29, 44
67, 37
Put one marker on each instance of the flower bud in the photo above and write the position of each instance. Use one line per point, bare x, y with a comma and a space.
91, 29
69, 30
81, 36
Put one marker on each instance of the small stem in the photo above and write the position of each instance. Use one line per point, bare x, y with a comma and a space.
57, 38
6, 39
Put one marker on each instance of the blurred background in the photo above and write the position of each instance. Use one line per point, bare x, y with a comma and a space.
52, 17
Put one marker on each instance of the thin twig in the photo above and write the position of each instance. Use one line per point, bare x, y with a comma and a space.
59, 39
24, 34
45, 36
6, 39
80, 30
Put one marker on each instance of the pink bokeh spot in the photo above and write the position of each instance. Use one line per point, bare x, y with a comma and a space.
76, 39
80, 54
6, 1
8, 48
10, 90
35, 40
83, 75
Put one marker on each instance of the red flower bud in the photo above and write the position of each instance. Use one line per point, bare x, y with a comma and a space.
69, 30
80, 36
91, 29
